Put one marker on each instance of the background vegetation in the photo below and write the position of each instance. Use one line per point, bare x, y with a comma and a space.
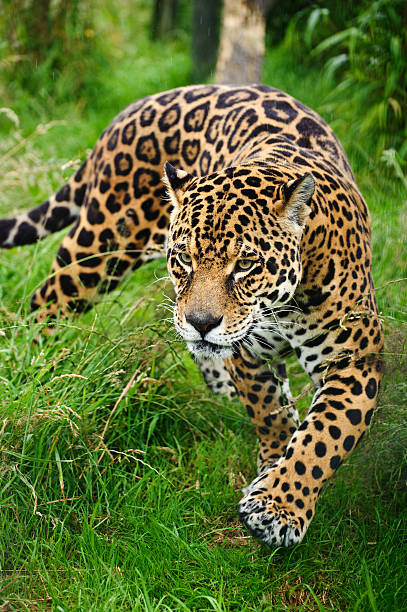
119, 472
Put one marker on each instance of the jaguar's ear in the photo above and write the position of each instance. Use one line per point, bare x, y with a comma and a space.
176, 181
297, 195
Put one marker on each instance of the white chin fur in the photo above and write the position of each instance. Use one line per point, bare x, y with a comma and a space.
211, 351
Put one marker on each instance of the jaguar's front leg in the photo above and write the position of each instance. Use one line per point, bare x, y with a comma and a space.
216, 376
279, 504
266, 396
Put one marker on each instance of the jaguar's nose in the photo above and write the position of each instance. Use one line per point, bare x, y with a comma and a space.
203, 322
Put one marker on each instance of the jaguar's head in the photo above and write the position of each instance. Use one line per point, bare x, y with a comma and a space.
233, 251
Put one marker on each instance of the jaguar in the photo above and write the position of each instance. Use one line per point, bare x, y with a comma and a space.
267, 240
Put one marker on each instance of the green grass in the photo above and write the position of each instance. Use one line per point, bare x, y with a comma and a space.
119, 472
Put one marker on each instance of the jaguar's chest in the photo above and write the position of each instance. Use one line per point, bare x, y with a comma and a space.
271, 338
277, 337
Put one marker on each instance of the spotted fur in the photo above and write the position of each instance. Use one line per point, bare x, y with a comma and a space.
268, 247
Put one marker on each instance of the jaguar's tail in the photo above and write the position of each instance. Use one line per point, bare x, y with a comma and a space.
52, 215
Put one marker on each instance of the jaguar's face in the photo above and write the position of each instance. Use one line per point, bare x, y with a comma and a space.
233, 252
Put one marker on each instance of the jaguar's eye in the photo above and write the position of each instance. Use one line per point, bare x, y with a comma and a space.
243, 265
185, 258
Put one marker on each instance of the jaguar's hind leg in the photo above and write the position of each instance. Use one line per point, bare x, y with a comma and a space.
113, 235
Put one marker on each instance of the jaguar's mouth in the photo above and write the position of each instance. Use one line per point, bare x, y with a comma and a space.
203, 348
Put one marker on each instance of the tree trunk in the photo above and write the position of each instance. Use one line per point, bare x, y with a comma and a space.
163, 18
38, 29
205, 37
242, 42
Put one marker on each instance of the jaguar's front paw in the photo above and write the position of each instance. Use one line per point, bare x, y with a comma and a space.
268, 520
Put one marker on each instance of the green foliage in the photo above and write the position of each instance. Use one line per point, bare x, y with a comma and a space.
366, 54
43, 40
280, 17
91, 64
310, 23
